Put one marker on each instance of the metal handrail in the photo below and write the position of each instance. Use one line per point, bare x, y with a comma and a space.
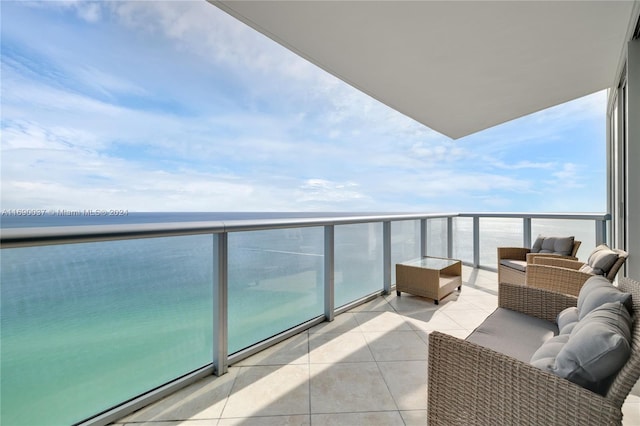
564, 216
42, 236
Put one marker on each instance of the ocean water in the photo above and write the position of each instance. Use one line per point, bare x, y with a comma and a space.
87, 326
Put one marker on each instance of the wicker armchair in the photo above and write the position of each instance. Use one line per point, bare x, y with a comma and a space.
524, 257
472, 385
563, 276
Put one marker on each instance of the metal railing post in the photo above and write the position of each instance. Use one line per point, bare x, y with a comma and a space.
386, 256
526, 231
449, 237
476, 241
601, 232
329, 268
220, 295
423, 237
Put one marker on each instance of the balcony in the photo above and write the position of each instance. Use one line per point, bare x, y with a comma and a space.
366, 367
296, 317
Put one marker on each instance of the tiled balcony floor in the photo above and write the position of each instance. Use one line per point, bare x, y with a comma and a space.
367, 367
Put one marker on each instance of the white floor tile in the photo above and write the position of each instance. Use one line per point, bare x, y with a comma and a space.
384, 418
269, 391
348, 388
396, 346
332, 347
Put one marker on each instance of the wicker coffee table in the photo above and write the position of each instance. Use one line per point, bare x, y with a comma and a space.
432, 277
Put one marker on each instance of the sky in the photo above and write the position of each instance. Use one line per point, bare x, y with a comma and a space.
176, 106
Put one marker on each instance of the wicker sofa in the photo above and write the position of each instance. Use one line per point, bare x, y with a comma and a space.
471, 384
513, 261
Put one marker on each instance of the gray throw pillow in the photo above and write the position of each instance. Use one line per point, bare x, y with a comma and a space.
598, 347
601, 259
588, 269
562, 246
566, 318
537, 245
545, 357
597, 291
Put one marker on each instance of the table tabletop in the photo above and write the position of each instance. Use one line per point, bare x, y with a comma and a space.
430, 262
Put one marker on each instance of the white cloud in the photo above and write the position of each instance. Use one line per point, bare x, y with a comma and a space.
588, 107
205, 30
89, 11
318, 192
525, 164
105, 83
74, 179
430, 152
568, 177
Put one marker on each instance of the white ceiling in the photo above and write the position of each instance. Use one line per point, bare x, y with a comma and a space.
458, 67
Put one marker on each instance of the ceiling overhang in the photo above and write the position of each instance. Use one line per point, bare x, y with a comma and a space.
457, 67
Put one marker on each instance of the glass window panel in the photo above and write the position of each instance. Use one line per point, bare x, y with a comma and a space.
358, 261
582, 230
437, 237
405, 243
463, 239
498, 232
88, 326
276, 281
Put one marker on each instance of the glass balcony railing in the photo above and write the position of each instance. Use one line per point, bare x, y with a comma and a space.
438, 236
463, 239
276, 280
498, 232
87, 326
358, 261
98, 321
405, 243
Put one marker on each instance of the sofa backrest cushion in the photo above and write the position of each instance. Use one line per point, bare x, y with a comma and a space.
600, 261
556, 245
596, 349
596, 291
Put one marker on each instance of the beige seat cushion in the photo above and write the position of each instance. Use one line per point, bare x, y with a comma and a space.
520, 265
513, 333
